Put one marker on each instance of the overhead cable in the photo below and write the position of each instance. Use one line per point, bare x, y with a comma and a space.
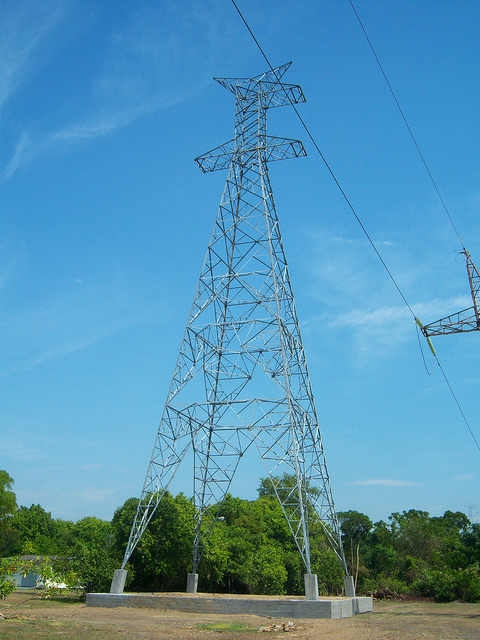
351, 207
422, 157
330, 170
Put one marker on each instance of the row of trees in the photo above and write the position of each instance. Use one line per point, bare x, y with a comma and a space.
251, 550
415, 554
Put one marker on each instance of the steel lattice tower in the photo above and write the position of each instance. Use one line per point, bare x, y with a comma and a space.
241, 378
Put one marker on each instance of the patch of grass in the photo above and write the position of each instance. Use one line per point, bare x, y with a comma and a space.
34, 596
47, 630
42, 630
226, 627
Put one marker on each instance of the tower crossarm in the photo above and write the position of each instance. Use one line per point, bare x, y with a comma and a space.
460, 322
273, 147
274, 93
269, 78
465, 320
216, 159
283, 149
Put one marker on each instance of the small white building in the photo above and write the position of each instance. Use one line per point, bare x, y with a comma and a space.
28, 580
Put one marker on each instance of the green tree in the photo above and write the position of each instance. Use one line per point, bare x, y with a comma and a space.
9, 536
93, 556
215, 559
8, 501
283, 485
163, 557
8, 569
382, 559
264, 570
419, 554
240, 545
471, 541
355, 527
37, 530
414, 533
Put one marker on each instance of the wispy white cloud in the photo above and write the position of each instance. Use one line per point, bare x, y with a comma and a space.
24, 26
378, 317
10, 263
30, 147
16, 449
148, 66
68, 325
358, 301
93, 494
361, 243
344, 270
371, 318
24, 152
380, 330
437, 308
385, 482
466, 477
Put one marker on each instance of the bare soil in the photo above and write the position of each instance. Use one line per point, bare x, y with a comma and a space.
70, 619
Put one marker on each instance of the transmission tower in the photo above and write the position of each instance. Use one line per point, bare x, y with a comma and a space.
241, 378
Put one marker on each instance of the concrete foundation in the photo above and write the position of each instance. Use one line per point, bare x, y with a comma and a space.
311, 586
118, 581
263, 606
192, 582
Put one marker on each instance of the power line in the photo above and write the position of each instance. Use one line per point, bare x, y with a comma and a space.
351, 207
330, 170
422, 157
458, 404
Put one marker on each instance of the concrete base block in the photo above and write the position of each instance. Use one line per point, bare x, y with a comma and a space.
362, 605
192, 582
349, 586
311, 586
263, 606
118, 582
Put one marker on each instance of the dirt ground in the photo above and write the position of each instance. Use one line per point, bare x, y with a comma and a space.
390, 620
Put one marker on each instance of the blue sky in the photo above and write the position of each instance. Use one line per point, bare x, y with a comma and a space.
106, 220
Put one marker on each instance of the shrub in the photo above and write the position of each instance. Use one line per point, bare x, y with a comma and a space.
384, 583
446, 585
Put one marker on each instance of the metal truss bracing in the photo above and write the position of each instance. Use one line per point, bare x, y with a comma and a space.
241, 380
465, 320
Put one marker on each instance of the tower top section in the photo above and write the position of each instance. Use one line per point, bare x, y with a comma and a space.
251, 144
266, 86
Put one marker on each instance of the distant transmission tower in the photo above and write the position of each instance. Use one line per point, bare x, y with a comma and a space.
241, 377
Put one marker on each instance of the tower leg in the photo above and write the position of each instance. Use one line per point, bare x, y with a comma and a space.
118, 582
311, 586
349, 586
